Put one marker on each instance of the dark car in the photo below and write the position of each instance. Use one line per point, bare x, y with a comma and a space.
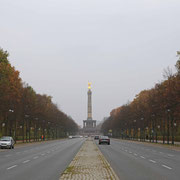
7, 142
96, 137
104, 140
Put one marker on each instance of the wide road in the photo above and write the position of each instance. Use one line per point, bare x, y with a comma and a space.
38, 161
140, 161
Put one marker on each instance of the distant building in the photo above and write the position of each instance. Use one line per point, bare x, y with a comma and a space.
89, 125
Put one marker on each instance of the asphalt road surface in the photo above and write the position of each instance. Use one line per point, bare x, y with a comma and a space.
139, 161
41, 161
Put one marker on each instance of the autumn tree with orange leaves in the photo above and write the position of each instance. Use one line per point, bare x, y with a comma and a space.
153, 115
26, 115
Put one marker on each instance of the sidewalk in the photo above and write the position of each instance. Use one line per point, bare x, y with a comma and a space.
89, 164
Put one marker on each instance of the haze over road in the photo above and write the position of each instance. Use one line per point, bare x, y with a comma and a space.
44, 161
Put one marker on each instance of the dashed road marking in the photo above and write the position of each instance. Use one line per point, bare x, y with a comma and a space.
35, 157
166, 166
170, 155
142, 157
26, 161
152, 161
135, 154
11, 167
42, 154
8, 155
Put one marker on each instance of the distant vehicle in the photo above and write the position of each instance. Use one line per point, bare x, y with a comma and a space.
70, 137
104, 140
96, 137
7, 142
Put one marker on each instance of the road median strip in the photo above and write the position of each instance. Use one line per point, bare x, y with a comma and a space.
89, 163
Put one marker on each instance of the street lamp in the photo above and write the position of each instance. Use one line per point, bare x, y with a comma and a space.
10, 124
134, 127
156, 132
153, 115
26, 116
168, 110
142, 129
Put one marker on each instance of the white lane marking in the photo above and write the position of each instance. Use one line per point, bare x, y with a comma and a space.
142, 157
126, 150
161, 152
135, 154
152, 161
26, 161
35, 157
166, 166
11, 167
170, 155
42, 154
8, 155
130, 152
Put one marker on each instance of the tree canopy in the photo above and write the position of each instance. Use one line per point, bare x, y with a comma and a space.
153, 112
24, 113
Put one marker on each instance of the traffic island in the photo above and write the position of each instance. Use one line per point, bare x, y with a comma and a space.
89, 163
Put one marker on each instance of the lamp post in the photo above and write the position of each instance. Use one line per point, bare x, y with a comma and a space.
39, 129
153, 115
156, 132
139, 134
168, 126
26, 116
35, 129
48, 130
173, 127
147, 133
11, 111
142, 129
21, 130
134, 128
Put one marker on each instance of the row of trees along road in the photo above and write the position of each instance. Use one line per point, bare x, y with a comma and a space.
26, 115
153, 115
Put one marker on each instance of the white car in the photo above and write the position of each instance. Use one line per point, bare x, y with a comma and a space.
7, 142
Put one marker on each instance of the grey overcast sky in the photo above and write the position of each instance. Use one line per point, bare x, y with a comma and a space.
121, 46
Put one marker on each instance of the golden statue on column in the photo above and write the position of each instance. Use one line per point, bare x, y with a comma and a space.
89, 85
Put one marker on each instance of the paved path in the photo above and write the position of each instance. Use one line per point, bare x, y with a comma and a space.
139, 161
38, 161
89, 164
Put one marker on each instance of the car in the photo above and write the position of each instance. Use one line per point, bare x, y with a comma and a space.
104, 140
96, 137
7, 142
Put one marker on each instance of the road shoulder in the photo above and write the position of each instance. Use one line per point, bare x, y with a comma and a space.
171, 147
